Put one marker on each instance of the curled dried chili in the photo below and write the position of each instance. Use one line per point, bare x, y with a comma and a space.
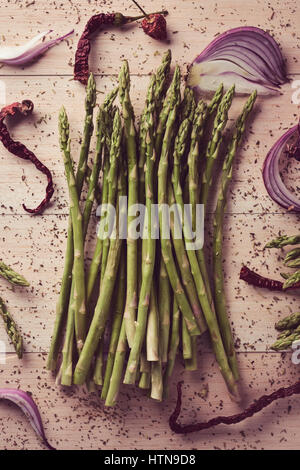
155, 26
254, 408
255, 279
95, 23
17, 148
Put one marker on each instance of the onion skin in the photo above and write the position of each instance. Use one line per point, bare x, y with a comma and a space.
33, 52
271, 175
246, 56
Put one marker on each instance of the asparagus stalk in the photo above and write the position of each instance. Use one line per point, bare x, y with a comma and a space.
161, 81
291, 255
211, 155
294, 263
207, 307
164, 310
293, 279
179, 248
220, 302
174, 343
132, 245
116, 376
187, 349
213, 105
149, 245
173, 98
11, 276
283, 240
120, 291
11, 329
107, 111
102, 309
289, 322
64, 296
78, 299
286, 342
152, 338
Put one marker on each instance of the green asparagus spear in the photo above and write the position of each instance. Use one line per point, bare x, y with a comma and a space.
173, 98
152, 336
294, 263
164, 310
293, 279
289, 322
161, 81
79, 298
207, 307
64, 296
116, 376
132, 245
11, 329
220, 302
213, 105
286, 342
214, 143
107, 286
11, 276
108, 117
283, 240
174, 343
120, 291
149, 244
291, 255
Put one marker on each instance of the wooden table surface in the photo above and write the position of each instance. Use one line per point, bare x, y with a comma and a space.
35, 245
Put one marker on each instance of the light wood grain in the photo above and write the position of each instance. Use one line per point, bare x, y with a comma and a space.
35, 246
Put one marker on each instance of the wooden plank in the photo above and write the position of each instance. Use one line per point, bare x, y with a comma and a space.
192, 25
37, 250
74, 419
39, 132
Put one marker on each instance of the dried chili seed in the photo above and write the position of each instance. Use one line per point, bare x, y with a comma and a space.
155, 26
18, 149
257, 406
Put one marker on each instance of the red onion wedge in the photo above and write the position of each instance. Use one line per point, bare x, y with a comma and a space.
21, 55
271, 173
247, 56
24, 401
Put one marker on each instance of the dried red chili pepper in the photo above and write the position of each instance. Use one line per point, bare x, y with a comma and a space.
95, 23
155, 26
257, 406
18, 149
257, 280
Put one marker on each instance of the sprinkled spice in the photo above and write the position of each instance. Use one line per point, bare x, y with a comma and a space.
254, 279
17, 148
96, 23
254, 408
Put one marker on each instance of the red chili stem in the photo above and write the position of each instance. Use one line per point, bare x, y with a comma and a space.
18, 149
254, 408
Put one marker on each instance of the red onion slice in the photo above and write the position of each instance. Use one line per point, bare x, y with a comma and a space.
29, 408
271, 174
246, 52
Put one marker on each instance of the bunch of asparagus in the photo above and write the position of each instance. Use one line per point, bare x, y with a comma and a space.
153, 297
